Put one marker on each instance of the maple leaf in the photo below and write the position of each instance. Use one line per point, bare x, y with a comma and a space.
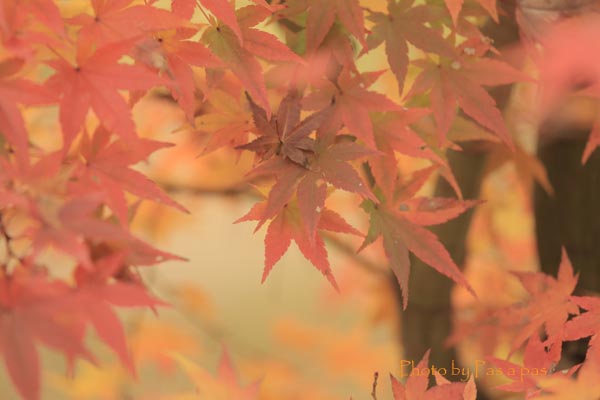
303, 161
93, 83
107, 165
95, 296
225, 12
288, 225
116, 21
45, 169
351, 102
549, 305
333, 45
222, 10
585, 324
59, 220
403, 24
284, 135
224, 386
32, 310
64, 226
393, 133
45, 11
331, 164
459, 80
415, 387
462, 130
537, 361
228, 123
321, 17
284, 228
400, 223
174, 55
240, 55
26, 24
69, 215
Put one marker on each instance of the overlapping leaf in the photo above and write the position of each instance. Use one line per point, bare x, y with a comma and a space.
459, 80
93, 83
239, 50
399, 221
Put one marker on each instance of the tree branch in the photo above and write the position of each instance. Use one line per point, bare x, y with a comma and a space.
176, 188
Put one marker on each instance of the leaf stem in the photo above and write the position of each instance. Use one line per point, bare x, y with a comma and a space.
203, 12
374, 391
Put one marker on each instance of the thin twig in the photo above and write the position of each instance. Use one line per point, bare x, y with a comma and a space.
374, 392
202, 11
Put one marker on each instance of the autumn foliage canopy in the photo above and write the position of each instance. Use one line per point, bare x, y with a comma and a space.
285, 81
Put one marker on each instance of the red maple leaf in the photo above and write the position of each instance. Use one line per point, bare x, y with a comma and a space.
351, 102
173, 54
44, 11
106, 168
93, 82
400, 220
535, 358
586, 324
321, 17
459, 80
403, 24
330, 165
33, 309
239, 51
393, 134
95, 295
117, 20
549, 305
288, 225
228, 120
285, 135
